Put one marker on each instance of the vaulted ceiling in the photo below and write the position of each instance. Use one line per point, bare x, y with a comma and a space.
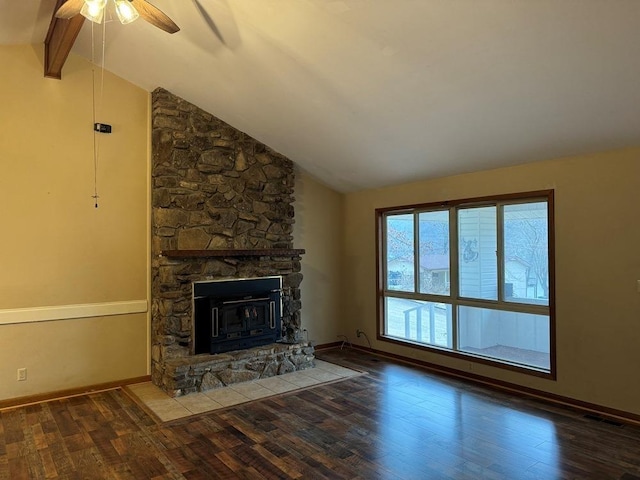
368, 93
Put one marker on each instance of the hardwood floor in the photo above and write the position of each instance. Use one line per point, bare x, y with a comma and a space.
397, 422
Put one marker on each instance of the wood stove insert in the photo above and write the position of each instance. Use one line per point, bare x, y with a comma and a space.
236, 314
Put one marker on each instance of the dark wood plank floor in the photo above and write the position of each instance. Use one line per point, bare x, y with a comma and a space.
395, 423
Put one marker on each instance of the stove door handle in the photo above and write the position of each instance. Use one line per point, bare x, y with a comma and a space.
272, 315
215, 325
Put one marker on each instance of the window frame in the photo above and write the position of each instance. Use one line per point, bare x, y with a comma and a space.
453, 298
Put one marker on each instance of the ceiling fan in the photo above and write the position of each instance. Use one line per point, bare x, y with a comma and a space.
127, 11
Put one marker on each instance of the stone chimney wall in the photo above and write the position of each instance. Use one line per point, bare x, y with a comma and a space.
213, 188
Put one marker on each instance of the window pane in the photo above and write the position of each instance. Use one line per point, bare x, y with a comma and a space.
478, 264
400, 253
424, 322
434, 252
526, 253
521, 338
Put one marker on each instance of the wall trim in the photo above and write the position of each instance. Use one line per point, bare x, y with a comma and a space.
68, 312
72, 392
527, 392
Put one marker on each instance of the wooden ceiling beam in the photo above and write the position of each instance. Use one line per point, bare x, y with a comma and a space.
60, 38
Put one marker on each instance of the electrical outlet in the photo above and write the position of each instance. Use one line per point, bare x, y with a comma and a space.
22, 374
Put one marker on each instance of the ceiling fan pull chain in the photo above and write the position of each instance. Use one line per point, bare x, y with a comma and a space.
97, 108
93, 111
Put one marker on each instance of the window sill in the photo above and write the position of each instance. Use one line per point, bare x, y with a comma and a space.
503, 364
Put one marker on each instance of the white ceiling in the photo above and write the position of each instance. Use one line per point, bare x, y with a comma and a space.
368, 93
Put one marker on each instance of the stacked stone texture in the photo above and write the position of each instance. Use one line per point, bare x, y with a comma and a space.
216, 188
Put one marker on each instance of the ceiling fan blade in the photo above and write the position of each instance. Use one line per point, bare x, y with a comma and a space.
154, 16
70, 9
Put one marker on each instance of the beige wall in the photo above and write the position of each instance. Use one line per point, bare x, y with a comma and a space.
597, 267
318, 211
57, 249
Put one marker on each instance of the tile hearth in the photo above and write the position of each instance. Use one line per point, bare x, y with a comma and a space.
165, 408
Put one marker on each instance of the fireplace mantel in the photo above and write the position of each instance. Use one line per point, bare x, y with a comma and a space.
270, 252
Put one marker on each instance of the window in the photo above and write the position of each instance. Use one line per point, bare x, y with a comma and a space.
472, 278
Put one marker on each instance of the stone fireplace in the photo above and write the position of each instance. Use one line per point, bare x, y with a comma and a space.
222, 210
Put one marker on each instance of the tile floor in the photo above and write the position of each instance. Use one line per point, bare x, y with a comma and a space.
165, 408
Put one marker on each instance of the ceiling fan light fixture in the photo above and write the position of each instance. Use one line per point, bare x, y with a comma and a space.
127, 13
94, 10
